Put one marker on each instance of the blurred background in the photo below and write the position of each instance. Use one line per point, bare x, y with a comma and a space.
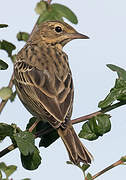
104, 22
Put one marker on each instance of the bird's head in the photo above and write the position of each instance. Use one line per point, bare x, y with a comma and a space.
58, 33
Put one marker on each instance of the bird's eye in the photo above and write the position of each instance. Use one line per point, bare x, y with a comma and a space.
58, 29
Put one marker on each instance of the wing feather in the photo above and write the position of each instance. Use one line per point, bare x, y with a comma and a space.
54, 94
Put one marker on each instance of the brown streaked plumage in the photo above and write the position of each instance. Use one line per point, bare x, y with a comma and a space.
44, 82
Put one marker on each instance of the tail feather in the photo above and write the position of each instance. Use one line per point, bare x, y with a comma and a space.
77, 152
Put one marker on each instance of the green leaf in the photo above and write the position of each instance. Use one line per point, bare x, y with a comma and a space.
10, 170
123, 159
103, 124
116, 93
43, 17
22, 36
49, 15
13, 58
25, 142
0, 175
3, 166
7, 46
69, 162
89, 177
3, 65
54, 12
87, 132
64, 11
47, 138
12, 98
120, 71
3, 25
95, 127
5, 130
16, 128
31, 161
84, 167
5, 93
41, 7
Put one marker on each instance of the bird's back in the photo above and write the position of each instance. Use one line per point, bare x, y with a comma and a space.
50, 75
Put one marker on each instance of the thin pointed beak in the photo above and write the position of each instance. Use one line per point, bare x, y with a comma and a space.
78, 36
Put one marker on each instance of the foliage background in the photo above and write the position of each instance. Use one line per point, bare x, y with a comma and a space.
104, 22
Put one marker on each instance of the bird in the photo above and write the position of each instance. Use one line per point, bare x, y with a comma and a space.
44, 83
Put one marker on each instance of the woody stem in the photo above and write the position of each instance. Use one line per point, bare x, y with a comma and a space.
104, 110
74, 121
108, 168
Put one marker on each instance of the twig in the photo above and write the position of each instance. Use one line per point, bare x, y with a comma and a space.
12, 146
74, 121
43, 132
85, 118
33, 125
3, 102
119, 162
7, 150
89, 116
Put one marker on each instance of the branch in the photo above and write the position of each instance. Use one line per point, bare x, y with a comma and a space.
107, 109
74, 121
119, 162
3, 102
33, 125
7, 150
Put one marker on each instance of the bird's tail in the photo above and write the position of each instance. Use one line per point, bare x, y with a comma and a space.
77, 152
